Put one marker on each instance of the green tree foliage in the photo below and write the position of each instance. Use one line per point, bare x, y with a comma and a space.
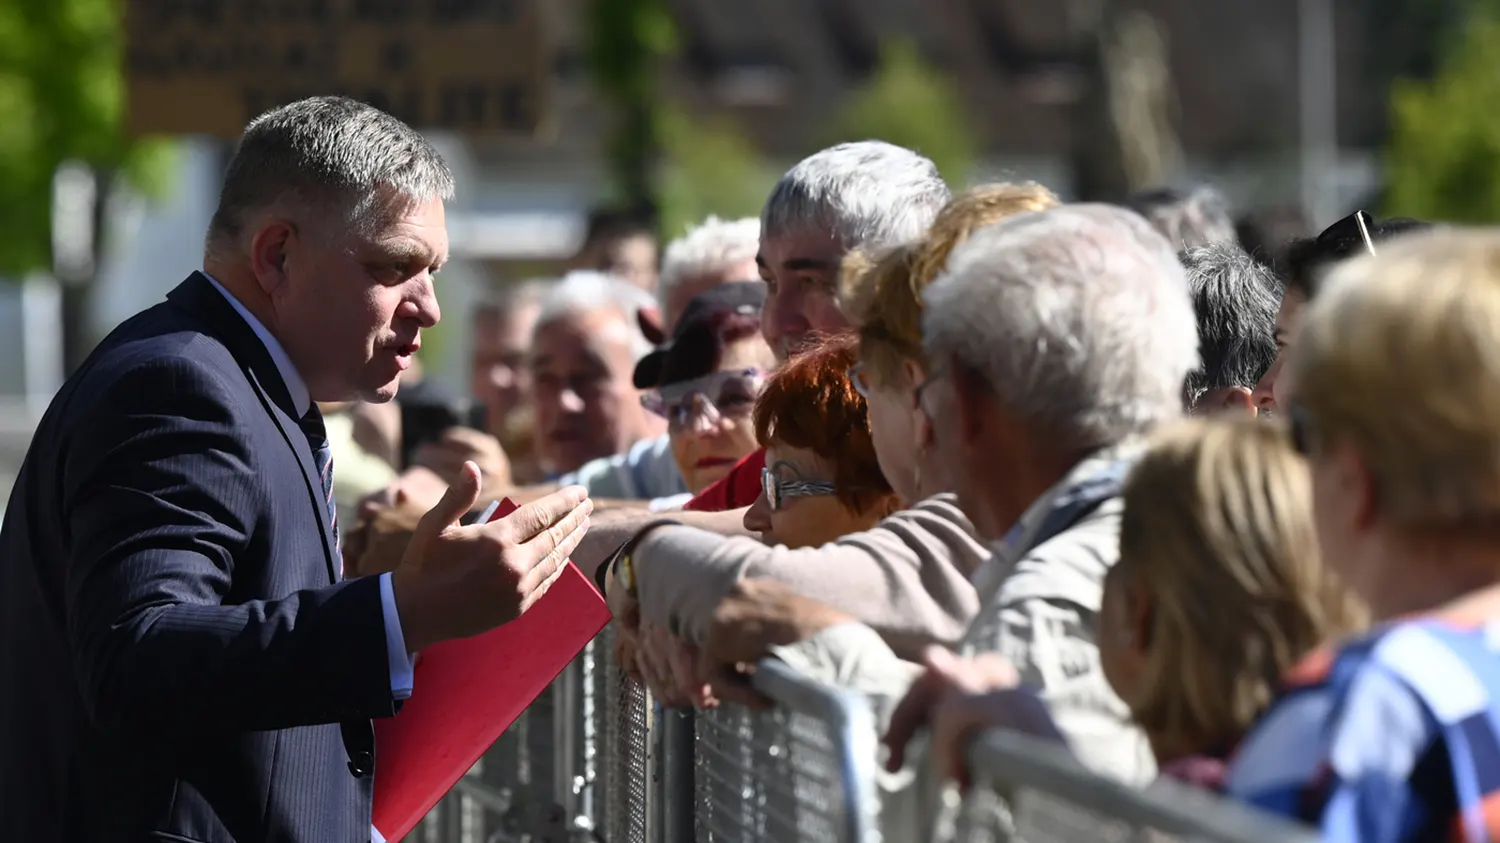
627, 45
62, 97
1443, 157
910, 103
710, 168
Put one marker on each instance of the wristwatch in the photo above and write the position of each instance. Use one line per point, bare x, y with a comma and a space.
621, 562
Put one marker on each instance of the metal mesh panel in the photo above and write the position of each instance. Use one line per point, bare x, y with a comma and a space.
509, 796
1027, 790
776, 775
623, 726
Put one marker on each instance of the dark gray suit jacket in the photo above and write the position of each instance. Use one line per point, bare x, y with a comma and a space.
179, 659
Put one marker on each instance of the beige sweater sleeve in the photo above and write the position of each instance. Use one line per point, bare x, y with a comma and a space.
908, 578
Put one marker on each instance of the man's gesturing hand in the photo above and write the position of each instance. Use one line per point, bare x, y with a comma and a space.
455, 581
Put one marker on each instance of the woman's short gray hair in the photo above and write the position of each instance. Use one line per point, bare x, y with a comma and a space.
583, 291
711, 247
868, 194
1078, 318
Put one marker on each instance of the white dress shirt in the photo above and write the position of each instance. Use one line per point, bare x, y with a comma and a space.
399, 661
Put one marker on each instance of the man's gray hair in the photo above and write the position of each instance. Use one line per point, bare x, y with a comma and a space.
1235, 298
1187, 219
585, 291
712, 246
1077, 318
868, 194
332, 152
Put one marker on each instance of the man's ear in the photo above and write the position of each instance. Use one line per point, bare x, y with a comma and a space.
969, 399
1236, 400
269, 249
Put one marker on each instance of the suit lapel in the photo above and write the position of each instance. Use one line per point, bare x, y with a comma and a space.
197, 295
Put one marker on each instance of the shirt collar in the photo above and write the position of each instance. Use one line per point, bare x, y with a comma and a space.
295, 386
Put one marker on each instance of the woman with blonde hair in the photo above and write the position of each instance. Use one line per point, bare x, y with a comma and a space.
1218, 592
881, 295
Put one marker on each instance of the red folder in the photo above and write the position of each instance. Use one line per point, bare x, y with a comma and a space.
465, 693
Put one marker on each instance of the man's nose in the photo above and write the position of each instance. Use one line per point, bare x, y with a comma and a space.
570, 401
422, 306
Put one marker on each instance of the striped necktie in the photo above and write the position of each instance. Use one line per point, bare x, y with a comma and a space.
317, 439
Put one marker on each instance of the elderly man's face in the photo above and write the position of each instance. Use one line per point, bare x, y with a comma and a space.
350, 305
586, 406
501, 379
801, 271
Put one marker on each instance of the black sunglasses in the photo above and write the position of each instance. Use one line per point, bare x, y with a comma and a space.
1299, 427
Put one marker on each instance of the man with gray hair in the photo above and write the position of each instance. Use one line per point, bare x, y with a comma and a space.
1058, 338
182, 656
1236, 298
584, 349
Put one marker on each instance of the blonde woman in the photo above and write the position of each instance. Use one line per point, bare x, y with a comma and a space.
882, 297
1219, 590
1395, 736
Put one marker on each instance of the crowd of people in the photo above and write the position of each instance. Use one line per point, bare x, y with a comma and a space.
1191, 503
1102, 473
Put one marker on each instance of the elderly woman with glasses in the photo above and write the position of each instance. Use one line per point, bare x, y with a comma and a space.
705, 379
822, 480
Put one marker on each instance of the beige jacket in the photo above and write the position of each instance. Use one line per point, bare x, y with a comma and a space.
908, 578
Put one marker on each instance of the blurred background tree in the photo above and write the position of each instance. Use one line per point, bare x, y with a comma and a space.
910, 103
62, 99
628, 43
1442, 160
710, 168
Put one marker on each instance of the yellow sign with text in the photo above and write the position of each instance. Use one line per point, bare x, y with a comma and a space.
209, 66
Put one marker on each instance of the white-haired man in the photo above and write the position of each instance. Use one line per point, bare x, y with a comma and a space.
583, 351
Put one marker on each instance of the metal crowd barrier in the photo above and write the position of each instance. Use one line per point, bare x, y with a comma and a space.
803, 770
595, 760
1029, 790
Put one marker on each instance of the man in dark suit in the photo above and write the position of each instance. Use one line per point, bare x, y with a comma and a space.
180, 657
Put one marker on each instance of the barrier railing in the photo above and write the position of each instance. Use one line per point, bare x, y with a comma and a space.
1031, 790
802, 770
594, 760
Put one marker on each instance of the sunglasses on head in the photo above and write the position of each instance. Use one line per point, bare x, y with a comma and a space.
1354, 228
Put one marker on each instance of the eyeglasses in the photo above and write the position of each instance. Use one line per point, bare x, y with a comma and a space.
1299, 426
711, 397
778, 489
858, 379
932, 377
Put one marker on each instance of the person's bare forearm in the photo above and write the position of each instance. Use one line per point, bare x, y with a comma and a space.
611, 527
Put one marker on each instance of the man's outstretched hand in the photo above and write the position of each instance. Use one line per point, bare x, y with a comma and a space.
455, 582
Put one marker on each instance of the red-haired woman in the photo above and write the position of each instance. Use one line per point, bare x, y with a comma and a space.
822, 479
